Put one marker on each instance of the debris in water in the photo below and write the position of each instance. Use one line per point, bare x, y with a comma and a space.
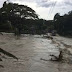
1, 33
2, 66
59, 58
43, 59
7, 53
0, 59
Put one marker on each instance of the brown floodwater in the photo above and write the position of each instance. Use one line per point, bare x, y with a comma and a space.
33, 52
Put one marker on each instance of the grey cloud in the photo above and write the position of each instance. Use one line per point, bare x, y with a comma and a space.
48, 3
40, 3
45, 3
1, 3
68, 3
26, 0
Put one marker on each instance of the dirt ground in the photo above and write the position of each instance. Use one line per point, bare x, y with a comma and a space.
33, 52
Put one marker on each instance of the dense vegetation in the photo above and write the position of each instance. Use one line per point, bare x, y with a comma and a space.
63, 24
22, 19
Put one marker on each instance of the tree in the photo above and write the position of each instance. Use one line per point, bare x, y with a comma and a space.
17, 14
63, 24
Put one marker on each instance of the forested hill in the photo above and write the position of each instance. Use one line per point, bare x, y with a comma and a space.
23, 19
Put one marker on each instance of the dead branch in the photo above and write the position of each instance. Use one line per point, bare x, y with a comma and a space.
2, 66
1, 33
0, 59
7, 53
59, 58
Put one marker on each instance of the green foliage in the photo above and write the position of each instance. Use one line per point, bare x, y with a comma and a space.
63, 24
17, 15
22, 19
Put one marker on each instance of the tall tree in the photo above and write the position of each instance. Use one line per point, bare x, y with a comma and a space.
16, 14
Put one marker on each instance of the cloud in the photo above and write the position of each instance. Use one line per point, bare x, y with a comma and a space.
1, 3
39, 3
45, 3
46, 8
22, 0
68, 3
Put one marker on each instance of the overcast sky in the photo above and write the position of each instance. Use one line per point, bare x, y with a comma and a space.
46, 9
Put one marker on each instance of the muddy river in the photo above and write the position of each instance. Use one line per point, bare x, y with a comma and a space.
33, 52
